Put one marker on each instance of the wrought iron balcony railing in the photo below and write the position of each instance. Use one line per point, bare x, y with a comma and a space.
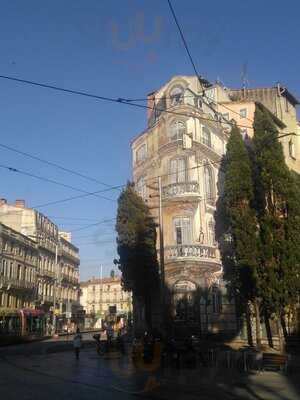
17, 283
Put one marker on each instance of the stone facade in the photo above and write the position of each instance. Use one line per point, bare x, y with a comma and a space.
98, 295
185, 147
52, 282
68, 276
184, 144
18, 269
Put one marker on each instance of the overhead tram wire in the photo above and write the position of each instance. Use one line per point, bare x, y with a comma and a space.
53, 164
189, 96
16, 170
118, 100
122, 186
92, 225
200, 78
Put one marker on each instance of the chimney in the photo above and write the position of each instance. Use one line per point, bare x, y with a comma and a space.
20, 203
3, 202
150, 104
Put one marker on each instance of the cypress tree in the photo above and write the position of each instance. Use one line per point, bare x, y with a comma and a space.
136, 246
278, 212
237, 227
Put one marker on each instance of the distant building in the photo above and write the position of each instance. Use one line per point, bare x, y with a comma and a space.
33, 232
102, 297
18, 269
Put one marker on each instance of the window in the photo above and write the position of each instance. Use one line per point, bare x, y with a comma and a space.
292, 149
209, 184
216, 300
199, 102
141, 187
141, 153
206, 136
182, 230
178, 170
19, 272
176, 95
177, 130
244, 133
211, 233
243, 113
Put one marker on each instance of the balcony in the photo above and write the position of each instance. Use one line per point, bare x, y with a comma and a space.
209, 149
47, 298
47, 273
180, 190
15, 283
192, 252
69, 279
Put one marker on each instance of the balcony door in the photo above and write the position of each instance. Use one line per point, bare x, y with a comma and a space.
178, 170
182, 230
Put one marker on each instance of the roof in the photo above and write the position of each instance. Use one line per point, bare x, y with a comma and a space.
97, 281
284, 91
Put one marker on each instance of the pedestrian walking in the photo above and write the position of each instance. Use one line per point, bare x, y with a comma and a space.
77, 341
104, 341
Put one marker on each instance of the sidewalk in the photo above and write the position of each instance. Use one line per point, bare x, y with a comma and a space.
224, 383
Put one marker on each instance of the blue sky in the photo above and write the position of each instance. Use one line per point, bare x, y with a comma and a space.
117, 49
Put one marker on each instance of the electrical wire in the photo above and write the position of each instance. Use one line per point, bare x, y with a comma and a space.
200, 78
12, 169
118, 100
190, 96
51, 163
92, 225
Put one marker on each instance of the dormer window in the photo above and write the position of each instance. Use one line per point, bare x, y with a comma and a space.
177, 130
141, 153
176, 95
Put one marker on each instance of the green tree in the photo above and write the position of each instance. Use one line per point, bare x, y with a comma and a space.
278, 212
237, 228
136, 246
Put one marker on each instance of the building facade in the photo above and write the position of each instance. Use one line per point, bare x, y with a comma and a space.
18, 269
68, 278
183, 144
102, 297
55, 275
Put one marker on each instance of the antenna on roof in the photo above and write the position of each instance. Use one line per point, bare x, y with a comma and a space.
244, 75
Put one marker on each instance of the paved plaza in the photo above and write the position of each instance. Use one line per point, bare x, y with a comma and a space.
48, 370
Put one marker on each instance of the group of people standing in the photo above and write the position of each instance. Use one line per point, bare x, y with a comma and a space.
104, 341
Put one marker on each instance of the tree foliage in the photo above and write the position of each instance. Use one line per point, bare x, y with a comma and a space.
260, 214
136, 245
237, 227
278, 212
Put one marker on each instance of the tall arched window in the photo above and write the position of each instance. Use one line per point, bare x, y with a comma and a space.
209, 184
176, 95
182, 230
177, 130
206, 136
141, 187
178, 170
211, 233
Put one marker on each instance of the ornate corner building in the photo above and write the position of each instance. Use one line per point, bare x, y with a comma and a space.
183, 144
